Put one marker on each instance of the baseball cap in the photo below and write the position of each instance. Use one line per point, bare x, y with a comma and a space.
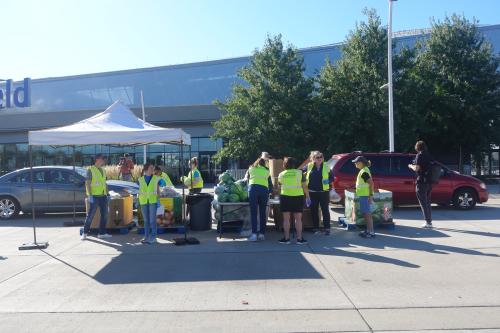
361, 159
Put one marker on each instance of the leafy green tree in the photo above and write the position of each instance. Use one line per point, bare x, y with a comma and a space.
272, 109
456, 73
350, 101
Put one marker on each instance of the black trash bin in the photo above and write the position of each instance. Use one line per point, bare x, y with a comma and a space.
200, 214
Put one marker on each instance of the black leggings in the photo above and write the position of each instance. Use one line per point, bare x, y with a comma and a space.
320, 199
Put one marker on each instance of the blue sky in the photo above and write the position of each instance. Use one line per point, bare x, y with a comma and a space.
67, 37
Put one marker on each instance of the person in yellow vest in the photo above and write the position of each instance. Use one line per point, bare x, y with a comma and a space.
193, 180
165, 179
259, 188
293, 190
364, 191
319, 179
149, 192
97, 196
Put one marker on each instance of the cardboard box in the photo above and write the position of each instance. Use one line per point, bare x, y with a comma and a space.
120, 213
306, 218
381, 207
275, 167
173, 205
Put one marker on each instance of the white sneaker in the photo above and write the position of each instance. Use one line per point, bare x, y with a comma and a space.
261, 237
252, 238
83, 236
427, 226
106, 235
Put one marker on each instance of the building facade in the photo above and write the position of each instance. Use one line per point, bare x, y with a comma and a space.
174, 96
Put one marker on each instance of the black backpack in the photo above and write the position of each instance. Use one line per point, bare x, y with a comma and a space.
433, 173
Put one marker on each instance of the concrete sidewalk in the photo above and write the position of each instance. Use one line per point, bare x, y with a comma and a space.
408, 279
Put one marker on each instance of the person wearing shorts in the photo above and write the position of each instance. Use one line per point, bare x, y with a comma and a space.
293, 190
364, 191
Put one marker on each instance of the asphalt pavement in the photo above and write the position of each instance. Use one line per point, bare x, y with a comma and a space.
408, 279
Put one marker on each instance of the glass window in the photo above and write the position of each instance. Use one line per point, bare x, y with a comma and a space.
171, 148
117, 149
156, 148
348, 167
38, 177
88, 149
62, 177
10, 156
380, 165
22, 158
194, 144
399, 166
494, 163
207, 144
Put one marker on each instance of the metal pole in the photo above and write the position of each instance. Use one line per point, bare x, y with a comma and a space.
389, 72
74, 191
184, 218
32, 195
34, 245
144, 119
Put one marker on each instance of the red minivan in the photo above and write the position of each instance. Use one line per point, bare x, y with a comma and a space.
390, 172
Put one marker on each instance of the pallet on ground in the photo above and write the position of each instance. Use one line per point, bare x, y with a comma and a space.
343, 223
165, 230
123, 230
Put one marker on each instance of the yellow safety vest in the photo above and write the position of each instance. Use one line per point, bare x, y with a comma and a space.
196, 182
362, 187
325, 175
148, 193
259, 175
166, 178
98, 183
291, 182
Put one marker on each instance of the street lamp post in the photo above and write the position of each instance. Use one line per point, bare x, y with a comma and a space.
389, 73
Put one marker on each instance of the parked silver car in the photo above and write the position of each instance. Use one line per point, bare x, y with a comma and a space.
53, 190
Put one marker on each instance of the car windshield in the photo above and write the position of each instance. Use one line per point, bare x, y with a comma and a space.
82, 172
332, 161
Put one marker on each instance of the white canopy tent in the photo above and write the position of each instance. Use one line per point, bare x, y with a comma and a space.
117, 125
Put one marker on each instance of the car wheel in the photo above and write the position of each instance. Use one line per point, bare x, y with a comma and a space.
464, 199
9, 208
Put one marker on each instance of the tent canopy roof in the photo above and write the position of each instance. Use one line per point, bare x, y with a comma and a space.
117, 125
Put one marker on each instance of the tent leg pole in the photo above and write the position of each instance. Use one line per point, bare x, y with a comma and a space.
33, 245
184, 217
185, 240
74, 222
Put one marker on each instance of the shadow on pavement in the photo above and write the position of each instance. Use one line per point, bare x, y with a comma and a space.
371, 257
479, 213
470, 232
160, 267
402, 238
52, 220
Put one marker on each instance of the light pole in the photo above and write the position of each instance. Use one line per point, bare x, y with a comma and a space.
144, 119
389, 73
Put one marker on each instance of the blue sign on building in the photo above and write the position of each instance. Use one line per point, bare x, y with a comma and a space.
13, 98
